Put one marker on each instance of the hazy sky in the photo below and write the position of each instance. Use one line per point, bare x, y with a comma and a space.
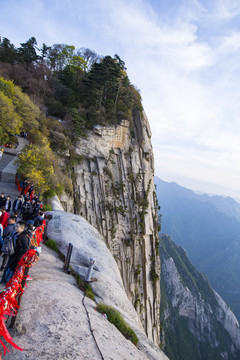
183, 55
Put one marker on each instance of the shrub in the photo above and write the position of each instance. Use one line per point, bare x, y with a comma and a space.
52, 245
120, 210
47, 207
49, 194
86, 287
108, 172
117, 320
154, 276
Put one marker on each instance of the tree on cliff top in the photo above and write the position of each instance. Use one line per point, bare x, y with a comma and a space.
74, 85
37, 162
17, 112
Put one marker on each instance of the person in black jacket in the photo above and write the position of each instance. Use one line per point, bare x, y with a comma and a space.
2, 199
11, 225
9, 230
17, 204
22, 245
27, 210
8, 203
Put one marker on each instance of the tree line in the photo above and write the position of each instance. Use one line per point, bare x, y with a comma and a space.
75, 85
55, 94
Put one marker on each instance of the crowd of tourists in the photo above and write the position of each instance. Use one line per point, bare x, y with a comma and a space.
21, 224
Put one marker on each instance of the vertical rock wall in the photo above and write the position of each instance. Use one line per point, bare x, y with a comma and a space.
114, 190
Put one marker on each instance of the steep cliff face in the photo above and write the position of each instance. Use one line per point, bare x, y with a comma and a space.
114, 190
197, 323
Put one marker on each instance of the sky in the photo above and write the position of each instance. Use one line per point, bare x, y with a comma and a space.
183, 56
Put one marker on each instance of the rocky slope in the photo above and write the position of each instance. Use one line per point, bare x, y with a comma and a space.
114, 190
59, 322
197, 323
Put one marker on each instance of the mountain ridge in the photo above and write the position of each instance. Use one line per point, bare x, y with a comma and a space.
196, 323
208, 228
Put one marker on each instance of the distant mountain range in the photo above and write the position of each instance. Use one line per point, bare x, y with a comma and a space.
196, 323
208, 227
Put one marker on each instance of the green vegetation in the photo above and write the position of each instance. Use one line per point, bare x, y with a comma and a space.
108, 172
154, 275
49, 194
17, 112
57, 93
47, 207
120, 210
138, 270
85, 287
117, 320
52, 245
37, 162
76, 85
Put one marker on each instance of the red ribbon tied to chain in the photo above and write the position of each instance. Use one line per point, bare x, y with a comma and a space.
8, 302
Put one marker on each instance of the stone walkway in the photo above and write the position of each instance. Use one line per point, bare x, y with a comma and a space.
8, 169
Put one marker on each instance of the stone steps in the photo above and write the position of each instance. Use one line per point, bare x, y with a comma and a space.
7, 177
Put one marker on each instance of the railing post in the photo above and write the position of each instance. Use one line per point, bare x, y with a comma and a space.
68, 258
48, 218
90, 269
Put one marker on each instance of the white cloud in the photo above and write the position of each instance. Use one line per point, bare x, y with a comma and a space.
184, 60
227, 9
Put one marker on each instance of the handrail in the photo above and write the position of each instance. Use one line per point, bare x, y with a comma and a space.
13, 289
10, 298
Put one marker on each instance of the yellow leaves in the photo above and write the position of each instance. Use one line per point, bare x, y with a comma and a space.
37, 164
17, 111
51, 170
36, 177
9, 120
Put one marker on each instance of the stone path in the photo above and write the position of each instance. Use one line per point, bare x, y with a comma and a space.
56, 321
8, 169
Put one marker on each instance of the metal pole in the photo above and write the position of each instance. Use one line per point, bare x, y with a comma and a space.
90, 269
68, 258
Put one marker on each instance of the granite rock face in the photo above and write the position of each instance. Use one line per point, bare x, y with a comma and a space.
114, 191
57, 321
107, 285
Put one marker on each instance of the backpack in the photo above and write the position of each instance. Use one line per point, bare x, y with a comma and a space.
8, 244
38, 221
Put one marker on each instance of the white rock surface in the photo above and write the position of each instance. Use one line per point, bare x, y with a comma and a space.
87, 242
56, 321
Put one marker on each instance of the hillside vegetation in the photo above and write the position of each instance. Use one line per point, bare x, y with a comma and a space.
55, 94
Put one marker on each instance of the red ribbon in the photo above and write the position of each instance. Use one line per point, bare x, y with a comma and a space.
8, 301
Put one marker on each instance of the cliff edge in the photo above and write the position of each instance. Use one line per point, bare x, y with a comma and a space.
57, 320
114, 191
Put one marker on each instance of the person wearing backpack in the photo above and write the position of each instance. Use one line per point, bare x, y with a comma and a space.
9, 234
27, 210
39, 219
11, 225
22, 245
